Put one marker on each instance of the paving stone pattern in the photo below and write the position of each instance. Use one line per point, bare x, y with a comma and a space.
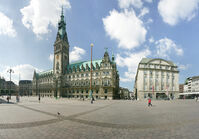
118, 119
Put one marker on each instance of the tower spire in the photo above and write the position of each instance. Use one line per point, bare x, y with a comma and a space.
62, 13
62, 25
113, 57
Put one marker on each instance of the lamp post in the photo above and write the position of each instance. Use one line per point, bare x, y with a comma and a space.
91, 93
39, 97
55, 86
10, 71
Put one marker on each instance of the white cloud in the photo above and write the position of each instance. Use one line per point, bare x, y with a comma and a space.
143, 12
6, 26
51, 57
25, 71
127, 3
151, 40
172, 11
149, 1
125, 79
39, 14
166, 46
131, 61
126, 28
76, 54
149, 21
183, 67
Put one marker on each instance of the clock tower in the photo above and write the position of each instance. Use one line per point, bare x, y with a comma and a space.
61, 49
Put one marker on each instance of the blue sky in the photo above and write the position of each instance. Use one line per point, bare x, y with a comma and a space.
131, 29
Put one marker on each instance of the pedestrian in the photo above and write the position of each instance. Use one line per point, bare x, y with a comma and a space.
8, 99
149, 102
17, 98
39, 99
92, 100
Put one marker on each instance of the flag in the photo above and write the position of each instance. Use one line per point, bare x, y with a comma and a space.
167, 91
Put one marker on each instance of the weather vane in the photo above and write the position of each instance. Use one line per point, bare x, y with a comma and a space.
106, 49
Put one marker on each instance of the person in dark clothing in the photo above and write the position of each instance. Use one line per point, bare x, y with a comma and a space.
92, 99
8, 99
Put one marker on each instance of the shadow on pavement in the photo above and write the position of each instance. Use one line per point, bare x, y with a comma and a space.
2, 101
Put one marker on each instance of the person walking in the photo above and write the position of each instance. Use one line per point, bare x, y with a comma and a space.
149, 102
92, 100
8, 99
196, 98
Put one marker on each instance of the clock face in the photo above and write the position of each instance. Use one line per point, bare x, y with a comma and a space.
57, 57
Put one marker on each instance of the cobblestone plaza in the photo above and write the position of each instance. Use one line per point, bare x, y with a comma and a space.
30, 119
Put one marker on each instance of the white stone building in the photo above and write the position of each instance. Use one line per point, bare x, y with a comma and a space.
156, 78
191, 84
195, 84
187, 85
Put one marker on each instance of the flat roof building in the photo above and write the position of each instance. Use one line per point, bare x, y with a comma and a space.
156, 78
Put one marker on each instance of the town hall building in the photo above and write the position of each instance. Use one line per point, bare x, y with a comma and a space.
72, 80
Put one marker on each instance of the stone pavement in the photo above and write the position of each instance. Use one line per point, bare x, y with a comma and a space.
30, 119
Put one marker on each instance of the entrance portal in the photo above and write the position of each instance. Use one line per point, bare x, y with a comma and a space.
161, 96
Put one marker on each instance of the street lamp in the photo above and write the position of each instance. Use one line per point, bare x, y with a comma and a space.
91, 93
55, 87
10, 71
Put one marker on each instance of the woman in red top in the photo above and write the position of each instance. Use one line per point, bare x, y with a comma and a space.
149, 102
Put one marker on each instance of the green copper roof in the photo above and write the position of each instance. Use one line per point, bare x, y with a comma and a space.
84, 64
62, 26
46, 73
